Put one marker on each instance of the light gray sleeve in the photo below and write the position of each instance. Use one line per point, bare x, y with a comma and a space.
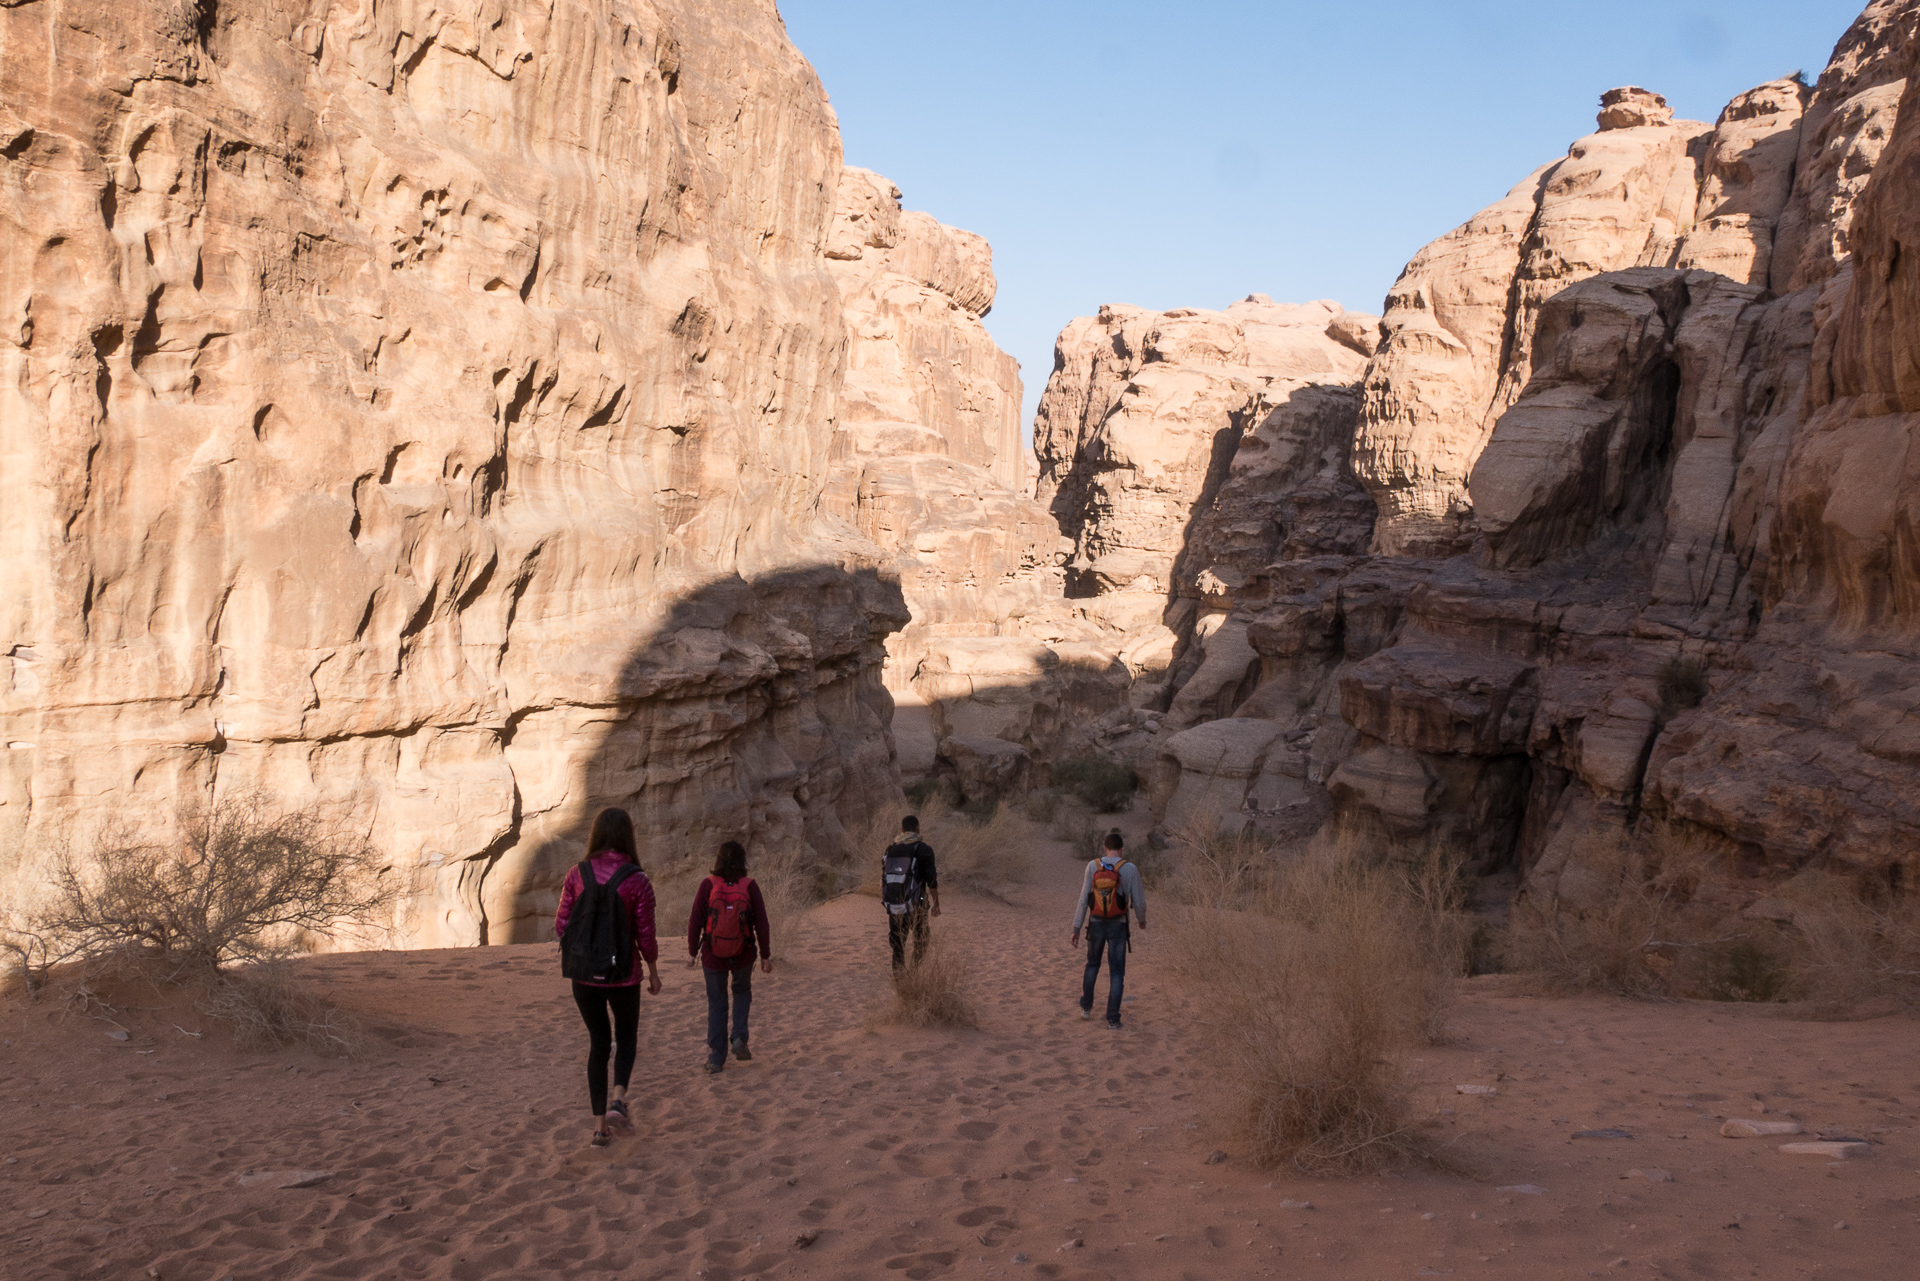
1136, 892
1080, 904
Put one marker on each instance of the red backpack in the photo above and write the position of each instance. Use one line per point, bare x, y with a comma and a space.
729, 913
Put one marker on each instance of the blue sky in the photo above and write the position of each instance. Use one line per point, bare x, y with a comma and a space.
1189, 154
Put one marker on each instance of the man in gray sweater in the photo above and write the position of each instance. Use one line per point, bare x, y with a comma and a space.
1110, 889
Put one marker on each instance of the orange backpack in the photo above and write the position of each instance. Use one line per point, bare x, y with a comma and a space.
1105, 902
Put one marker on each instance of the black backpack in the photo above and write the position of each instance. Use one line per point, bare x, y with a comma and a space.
598, 944
900, 877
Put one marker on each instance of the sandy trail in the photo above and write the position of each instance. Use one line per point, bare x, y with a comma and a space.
456, 1144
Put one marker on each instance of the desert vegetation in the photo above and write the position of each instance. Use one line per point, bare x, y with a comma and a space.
1100, 783
1316, 975
1656, 922
214, 913
929, 993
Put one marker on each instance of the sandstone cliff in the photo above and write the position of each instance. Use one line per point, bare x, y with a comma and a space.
1610, 540
423, 408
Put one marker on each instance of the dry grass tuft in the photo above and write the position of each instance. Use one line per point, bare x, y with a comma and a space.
1619, 944
1852, 951
1653, 924
932, 993
1314, 978
269, 1008
990, 854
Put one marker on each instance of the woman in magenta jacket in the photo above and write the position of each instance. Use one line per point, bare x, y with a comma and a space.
609, 846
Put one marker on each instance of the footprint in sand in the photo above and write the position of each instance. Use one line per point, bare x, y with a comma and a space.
918, 1267
977, 1130
978, 1215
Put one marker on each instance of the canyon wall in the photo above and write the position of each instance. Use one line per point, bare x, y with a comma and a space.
426, 409
1605, 543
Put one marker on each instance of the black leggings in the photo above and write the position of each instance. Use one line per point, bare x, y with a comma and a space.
594, 1002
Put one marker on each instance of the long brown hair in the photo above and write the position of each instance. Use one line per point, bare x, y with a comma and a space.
613, 830
731, 864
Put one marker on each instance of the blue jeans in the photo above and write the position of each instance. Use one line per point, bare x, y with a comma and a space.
1109, 937
717, 1009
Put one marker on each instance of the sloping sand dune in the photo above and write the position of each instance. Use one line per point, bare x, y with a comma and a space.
455, 1143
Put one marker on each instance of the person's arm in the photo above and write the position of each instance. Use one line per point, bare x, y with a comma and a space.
1080, 904
644, 937
568, 893
1136, 893
930, 875
762, 926
697, 918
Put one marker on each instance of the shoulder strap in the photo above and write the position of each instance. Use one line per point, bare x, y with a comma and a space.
587, 880
626, 870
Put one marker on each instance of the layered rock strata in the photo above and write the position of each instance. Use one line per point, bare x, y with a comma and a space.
930, 465
1634, 440
424, 411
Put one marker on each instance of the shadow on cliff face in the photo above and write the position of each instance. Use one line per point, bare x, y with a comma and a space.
753, 711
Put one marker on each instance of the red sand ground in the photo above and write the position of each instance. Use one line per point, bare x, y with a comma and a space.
456, 1139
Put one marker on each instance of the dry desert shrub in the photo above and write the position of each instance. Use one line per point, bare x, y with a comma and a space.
984, 854
214, 911
269, 1008
1620, 942
929, 993
243, 884
1851, 950
1313, 978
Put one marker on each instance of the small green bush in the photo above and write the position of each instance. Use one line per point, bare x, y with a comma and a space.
1102, 784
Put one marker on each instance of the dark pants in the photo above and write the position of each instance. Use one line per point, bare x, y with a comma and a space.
717, 1009
1109, 937
624, 1029
897, 927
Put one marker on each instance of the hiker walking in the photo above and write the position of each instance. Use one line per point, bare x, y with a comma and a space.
1109, 890
729, 917
605, 928
909, 879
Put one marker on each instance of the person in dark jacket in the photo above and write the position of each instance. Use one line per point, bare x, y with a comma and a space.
748, 934
925, 880
610, 845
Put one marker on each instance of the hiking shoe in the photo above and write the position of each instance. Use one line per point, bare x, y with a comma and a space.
741, 1052
1086, 1012
1113, 1025
714, 1067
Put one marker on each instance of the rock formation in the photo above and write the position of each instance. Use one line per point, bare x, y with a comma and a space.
929, 464
424, 410
1607, 541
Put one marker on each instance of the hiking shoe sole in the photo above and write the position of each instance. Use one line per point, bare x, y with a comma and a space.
741, 1052
1113, 1025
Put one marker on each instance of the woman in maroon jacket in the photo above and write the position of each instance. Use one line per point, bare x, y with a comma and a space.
610, 845
728, 918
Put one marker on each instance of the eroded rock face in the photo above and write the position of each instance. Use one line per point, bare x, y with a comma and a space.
930, 465
1460, 327
423, 410
1639, 438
